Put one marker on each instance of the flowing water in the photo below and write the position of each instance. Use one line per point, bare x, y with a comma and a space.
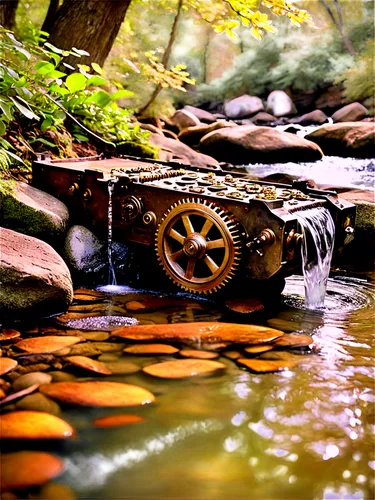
330, 170
111, 270
319, 236
303, 434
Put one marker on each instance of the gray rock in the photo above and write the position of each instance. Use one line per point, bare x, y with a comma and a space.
280, 104
249, 144
34, 278
192, 135
201, 114
183, 119
31, 211
84, 251
350, 139
243, 106
29, 379
38, 402
316, 117
171, 149
353, 112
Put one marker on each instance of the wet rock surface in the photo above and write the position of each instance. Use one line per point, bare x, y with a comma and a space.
35, 279
198, 355
353, 112
250, 144
350, 139
31, 211
243, 106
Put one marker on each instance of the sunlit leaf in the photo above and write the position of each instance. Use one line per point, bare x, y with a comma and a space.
76, 82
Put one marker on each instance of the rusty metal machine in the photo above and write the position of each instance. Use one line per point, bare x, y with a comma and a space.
205, 225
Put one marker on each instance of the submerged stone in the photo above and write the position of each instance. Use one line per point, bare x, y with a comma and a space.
7, 365
203, 331
183, 368
48, 343
152, 349
89, 364
195, 353
117, 420
97, 394
294, 340
34, 425
24, 469
245, 305
263, 366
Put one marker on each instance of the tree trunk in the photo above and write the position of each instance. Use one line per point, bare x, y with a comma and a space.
339, 24
8, 13
166, 56
205, 58
91, 25
51, 15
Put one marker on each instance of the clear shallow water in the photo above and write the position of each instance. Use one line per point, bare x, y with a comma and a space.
330, 170
302, 434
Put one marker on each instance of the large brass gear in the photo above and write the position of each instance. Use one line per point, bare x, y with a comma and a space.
198, 245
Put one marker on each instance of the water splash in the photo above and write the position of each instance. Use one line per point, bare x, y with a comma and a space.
111, 270
319, 236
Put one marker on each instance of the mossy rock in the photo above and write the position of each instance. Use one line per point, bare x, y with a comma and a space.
137, 149
31, 211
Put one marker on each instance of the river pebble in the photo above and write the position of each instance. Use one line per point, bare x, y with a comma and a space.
33, 469
34, 425
38, 402
31, 378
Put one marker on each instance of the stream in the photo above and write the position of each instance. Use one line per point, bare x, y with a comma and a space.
306, 433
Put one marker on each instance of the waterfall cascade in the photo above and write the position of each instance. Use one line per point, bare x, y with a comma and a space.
111, 270
319, 236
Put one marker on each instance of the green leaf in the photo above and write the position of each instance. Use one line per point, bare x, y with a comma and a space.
43, 141
101, 98
56, 74
44, 67
15, 157
24, 52
97, 68
96, 80
53, 48
121, 94
25, 111
2, 128
59, 114
75, 82
46, 124
80, 52
7, 110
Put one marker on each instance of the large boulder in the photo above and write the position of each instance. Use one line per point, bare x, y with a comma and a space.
280, 104
249, 144
330, 99
352, 139
171, 149
262, 117
316, 117
243, 106
201, 114
193, 135
34, 278
31, 211
183, 119
353, 112
83, 250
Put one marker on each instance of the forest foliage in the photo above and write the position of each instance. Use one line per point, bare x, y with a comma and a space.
163, 48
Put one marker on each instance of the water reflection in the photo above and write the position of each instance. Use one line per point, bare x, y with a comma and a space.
304, 434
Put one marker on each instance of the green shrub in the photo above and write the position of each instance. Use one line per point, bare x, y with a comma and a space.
359, 80
39, 98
